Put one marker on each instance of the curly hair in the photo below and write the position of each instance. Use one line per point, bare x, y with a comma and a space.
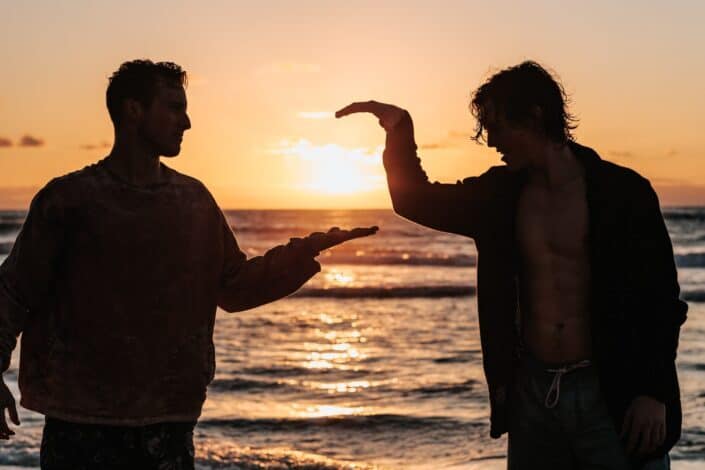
516, 92
139, 79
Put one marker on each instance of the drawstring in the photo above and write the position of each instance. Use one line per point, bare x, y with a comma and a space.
554, 392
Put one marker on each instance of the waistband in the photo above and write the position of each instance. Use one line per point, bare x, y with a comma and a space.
555, 369
534, 363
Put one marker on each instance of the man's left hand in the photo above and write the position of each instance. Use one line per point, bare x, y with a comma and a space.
644, 426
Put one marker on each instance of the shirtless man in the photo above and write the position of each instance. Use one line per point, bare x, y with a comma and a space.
579, 336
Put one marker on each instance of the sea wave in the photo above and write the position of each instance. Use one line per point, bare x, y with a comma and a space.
7, 226
294, 371
341, 422
240, 384
401, 258
388, 292
258, 386
693, 296
695, 215
449, 389
303, 230
690, 260
216, 455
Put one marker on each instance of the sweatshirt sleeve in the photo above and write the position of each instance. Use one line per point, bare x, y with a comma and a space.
28, 273
248, 283
460, 208
654, 282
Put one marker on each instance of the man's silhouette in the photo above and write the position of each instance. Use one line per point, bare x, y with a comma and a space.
114, 282
577, 287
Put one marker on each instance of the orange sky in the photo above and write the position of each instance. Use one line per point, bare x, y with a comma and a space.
266, 76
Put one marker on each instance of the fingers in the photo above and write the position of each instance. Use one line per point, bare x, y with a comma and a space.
645, 441
644, 437
5, 431
656, 438
358, 107
12, 409
311, 268
363, 231
628, 431
319, 241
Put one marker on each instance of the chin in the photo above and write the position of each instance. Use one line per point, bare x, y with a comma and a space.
514, 165
170, 153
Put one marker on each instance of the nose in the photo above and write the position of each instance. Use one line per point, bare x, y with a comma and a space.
187, 122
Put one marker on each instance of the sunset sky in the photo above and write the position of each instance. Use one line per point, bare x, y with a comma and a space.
265, 78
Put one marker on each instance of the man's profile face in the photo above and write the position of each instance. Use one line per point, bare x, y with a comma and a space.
515, 142
165, 120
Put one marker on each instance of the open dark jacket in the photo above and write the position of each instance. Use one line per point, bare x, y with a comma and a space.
635, 308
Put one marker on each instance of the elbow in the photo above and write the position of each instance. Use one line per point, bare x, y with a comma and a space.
403, 203
236, 303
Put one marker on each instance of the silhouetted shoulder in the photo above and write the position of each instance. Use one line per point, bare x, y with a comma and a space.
190, 188
497, 181
180, 179
64, 191
623, 186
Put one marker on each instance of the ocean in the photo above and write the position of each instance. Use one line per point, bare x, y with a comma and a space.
376, 362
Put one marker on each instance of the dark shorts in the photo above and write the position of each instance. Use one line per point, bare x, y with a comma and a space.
563, 423
73, 446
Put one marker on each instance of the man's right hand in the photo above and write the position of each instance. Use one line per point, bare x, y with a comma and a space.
7, 401
388, 114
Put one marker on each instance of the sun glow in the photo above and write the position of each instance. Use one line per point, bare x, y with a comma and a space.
333, 169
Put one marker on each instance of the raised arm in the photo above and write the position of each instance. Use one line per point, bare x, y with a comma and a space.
458, 208
281, 271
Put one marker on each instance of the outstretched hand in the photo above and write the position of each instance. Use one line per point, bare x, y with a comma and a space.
319, 241
388, 114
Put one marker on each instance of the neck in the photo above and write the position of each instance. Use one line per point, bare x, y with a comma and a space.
132, 162
555, 166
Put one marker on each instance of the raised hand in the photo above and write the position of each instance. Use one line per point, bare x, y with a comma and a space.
388, 114
319, 241
7, 401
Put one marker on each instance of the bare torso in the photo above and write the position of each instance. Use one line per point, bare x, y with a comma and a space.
552, 230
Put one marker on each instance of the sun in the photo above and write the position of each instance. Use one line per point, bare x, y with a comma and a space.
333, 169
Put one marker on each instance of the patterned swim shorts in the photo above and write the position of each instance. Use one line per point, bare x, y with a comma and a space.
75, 446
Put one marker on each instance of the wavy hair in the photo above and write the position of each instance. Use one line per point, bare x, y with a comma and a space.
516, 93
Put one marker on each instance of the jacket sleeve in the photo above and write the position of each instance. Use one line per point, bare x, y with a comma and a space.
654, 286
248, 283
460, 208
28, 273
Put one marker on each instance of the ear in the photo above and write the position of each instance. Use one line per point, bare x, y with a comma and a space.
132, 110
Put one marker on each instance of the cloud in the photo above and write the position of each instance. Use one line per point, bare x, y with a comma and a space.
102, 145
29, 141
629, 154
5, 142
315, 115
434, 146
